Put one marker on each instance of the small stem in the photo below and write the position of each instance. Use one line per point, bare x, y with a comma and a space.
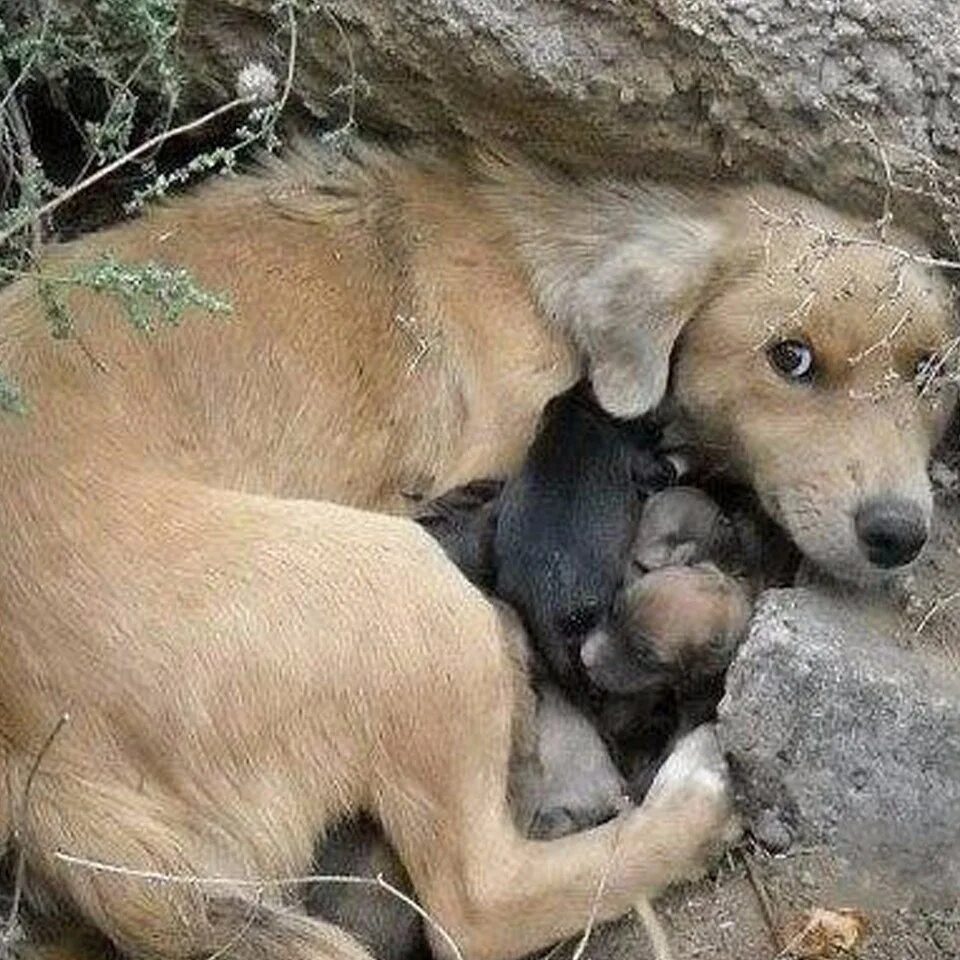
115, 165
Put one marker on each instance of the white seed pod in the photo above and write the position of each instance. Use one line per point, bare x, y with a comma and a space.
256, 81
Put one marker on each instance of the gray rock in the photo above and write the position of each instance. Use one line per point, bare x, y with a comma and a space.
771, 832
849, 740
802, 93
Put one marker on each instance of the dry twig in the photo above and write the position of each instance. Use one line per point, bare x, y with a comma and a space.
763, 900
597, 895
10, 925
115, 165
797, 218
352, 66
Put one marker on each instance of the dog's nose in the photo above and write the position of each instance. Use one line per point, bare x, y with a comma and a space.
892, 531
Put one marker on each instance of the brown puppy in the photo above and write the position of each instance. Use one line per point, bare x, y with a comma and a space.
686, 525
242, 666
681, 526
686, 620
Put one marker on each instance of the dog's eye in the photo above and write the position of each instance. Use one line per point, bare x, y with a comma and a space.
792, 359
925, 371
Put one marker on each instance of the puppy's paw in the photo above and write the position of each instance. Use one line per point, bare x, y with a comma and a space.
554, 822
693, 786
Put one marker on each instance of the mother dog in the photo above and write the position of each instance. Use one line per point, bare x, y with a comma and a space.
242, 664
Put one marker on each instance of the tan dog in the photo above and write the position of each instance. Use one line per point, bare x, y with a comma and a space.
242, 665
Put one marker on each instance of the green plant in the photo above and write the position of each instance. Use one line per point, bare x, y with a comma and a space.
123, 56
109, 66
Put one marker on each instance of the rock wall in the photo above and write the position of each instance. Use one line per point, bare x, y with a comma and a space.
841, 737
841, 98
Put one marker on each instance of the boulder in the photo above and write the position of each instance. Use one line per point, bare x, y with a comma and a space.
841, 735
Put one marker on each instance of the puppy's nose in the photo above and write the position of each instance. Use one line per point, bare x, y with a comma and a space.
891, 530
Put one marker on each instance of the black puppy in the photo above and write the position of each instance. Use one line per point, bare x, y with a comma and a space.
634, 600
567, 520
553, 541
464, 522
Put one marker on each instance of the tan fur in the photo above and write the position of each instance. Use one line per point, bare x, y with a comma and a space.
686, 612
241, 663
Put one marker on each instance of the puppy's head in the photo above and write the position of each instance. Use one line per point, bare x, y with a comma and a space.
818, 371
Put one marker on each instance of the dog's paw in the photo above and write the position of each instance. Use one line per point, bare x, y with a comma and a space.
696, 761
693, 787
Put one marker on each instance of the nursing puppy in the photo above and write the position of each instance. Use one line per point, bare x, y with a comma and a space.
657, 670
244, 665
647, 665
657, 665
553, 540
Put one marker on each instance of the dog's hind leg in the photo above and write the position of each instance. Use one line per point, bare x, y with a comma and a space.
159, 881
495, 892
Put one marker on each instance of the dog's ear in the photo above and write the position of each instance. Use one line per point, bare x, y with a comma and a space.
620, 266
634, 301
627, 339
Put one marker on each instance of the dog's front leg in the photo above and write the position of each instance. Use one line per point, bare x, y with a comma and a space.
497, 893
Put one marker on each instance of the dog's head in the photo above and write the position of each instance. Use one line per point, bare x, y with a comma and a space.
802, 343
818, 370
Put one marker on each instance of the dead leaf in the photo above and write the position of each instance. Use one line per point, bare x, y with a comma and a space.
819, 934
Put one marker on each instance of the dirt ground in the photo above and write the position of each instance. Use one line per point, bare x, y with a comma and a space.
757, 904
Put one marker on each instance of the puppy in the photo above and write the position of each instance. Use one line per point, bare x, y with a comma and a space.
675, 626
649, 663
677, 623
657, 672
565, 522
682, 526
719, 523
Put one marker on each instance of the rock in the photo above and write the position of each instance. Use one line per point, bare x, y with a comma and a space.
770, 831
802, 93
851, 740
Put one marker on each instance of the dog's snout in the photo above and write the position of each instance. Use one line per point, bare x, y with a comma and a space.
892, 531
